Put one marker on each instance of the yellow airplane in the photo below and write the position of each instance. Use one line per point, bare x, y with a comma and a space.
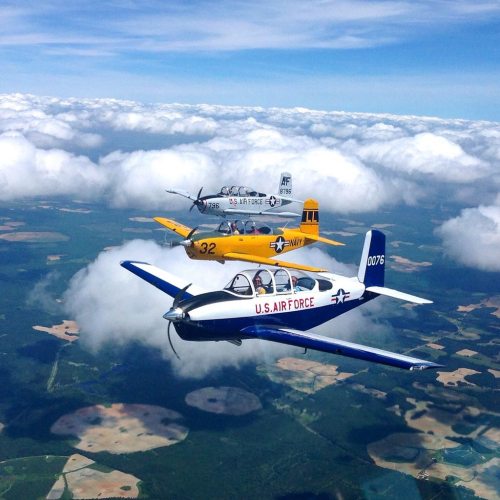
250, 242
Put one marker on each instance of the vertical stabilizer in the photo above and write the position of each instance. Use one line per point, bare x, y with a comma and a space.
372, 264
285, 187
310, 217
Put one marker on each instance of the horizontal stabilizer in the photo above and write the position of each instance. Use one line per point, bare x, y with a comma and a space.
310, 340
173, 226
313, 237
395, 294
164, 281
271, 262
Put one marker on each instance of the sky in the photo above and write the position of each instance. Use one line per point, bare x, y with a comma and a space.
430, 57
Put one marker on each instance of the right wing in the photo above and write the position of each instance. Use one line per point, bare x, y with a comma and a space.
174, 226
164, 281
181, 192
270, 262
317, 342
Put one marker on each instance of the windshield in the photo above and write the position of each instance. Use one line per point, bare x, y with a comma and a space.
239, 285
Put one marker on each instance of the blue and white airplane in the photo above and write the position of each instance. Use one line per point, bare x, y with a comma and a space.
282, 305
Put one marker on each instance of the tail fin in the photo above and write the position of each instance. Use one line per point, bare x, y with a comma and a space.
372, 265
310, 217
285, 187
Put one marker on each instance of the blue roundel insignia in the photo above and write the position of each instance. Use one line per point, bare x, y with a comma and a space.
279, 244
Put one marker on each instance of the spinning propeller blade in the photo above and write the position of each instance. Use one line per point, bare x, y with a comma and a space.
197, 202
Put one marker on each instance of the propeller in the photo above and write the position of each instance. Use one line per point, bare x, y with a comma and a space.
188, 241
175, 314
198, 202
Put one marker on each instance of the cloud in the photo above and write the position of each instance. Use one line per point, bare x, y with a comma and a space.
428, 154
26, 171
112, 306
351, 162
473, 238
230, 26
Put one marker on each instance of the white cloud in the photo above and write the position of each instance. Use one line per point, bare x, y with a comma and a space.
473, 238
428, 154
230, 26
27, 171
111, 305
351, 162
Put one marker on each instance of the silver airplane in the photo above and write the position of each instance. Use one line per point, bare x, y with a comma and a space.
247, 201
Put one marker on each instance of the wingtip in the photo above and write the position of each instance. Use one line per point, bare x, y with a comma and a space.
426, 366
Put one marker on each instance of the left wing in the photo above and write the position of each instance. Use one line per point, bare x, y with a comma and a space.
181, 192
317, 342
173, 226
163, 280
270, 262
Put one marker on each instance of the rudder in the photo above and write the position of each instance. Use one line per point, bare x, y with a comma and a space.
372, 265
285, 187
310, 217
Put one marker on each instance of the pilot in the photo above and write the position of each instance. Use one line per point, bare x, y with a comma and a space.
295, 286
257, 283
234, 228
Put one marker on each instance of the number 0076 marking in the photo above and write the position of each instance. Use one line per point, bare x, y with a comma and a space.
375, 260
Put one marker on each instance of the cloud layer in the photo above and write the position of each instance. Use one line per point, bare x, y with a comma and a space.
125, 153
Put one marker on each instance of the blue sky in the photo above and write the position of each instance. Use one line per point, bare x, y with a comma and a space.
430, 57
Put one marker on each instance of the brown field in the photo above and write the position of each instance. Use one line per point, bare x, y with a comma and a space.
435, 346
122, 428
224, 400
304, 375
67, 330
453, 378
34, 237
466, 352
404, 265
82, 481
493, 302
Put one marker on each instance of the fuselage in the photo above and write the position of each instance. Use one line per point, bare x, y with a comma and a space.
220, 204
222, 315
211, 246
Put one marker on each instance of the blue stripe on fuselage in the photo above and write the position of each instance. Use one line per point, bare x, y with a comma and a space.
303, 319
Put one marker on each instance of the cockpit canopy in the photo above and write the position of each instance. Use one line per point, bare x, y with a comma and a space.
243, 227
274, 282
239, 191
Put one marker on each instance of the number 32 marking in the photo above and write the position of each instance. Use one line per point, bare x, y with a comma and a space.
207, 248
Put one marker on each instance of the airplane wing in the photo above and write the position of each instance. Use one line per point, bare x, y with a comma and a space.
181, 192
164, 281
174, 226
270, 262
314, 237
317, 342
230, 211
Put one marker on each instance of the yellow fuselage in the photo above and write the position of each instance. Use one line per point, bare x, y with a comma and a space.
261, 245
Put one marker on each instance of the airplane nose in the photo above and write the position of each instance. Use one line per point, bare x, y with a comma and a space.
186, 243
174, 314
